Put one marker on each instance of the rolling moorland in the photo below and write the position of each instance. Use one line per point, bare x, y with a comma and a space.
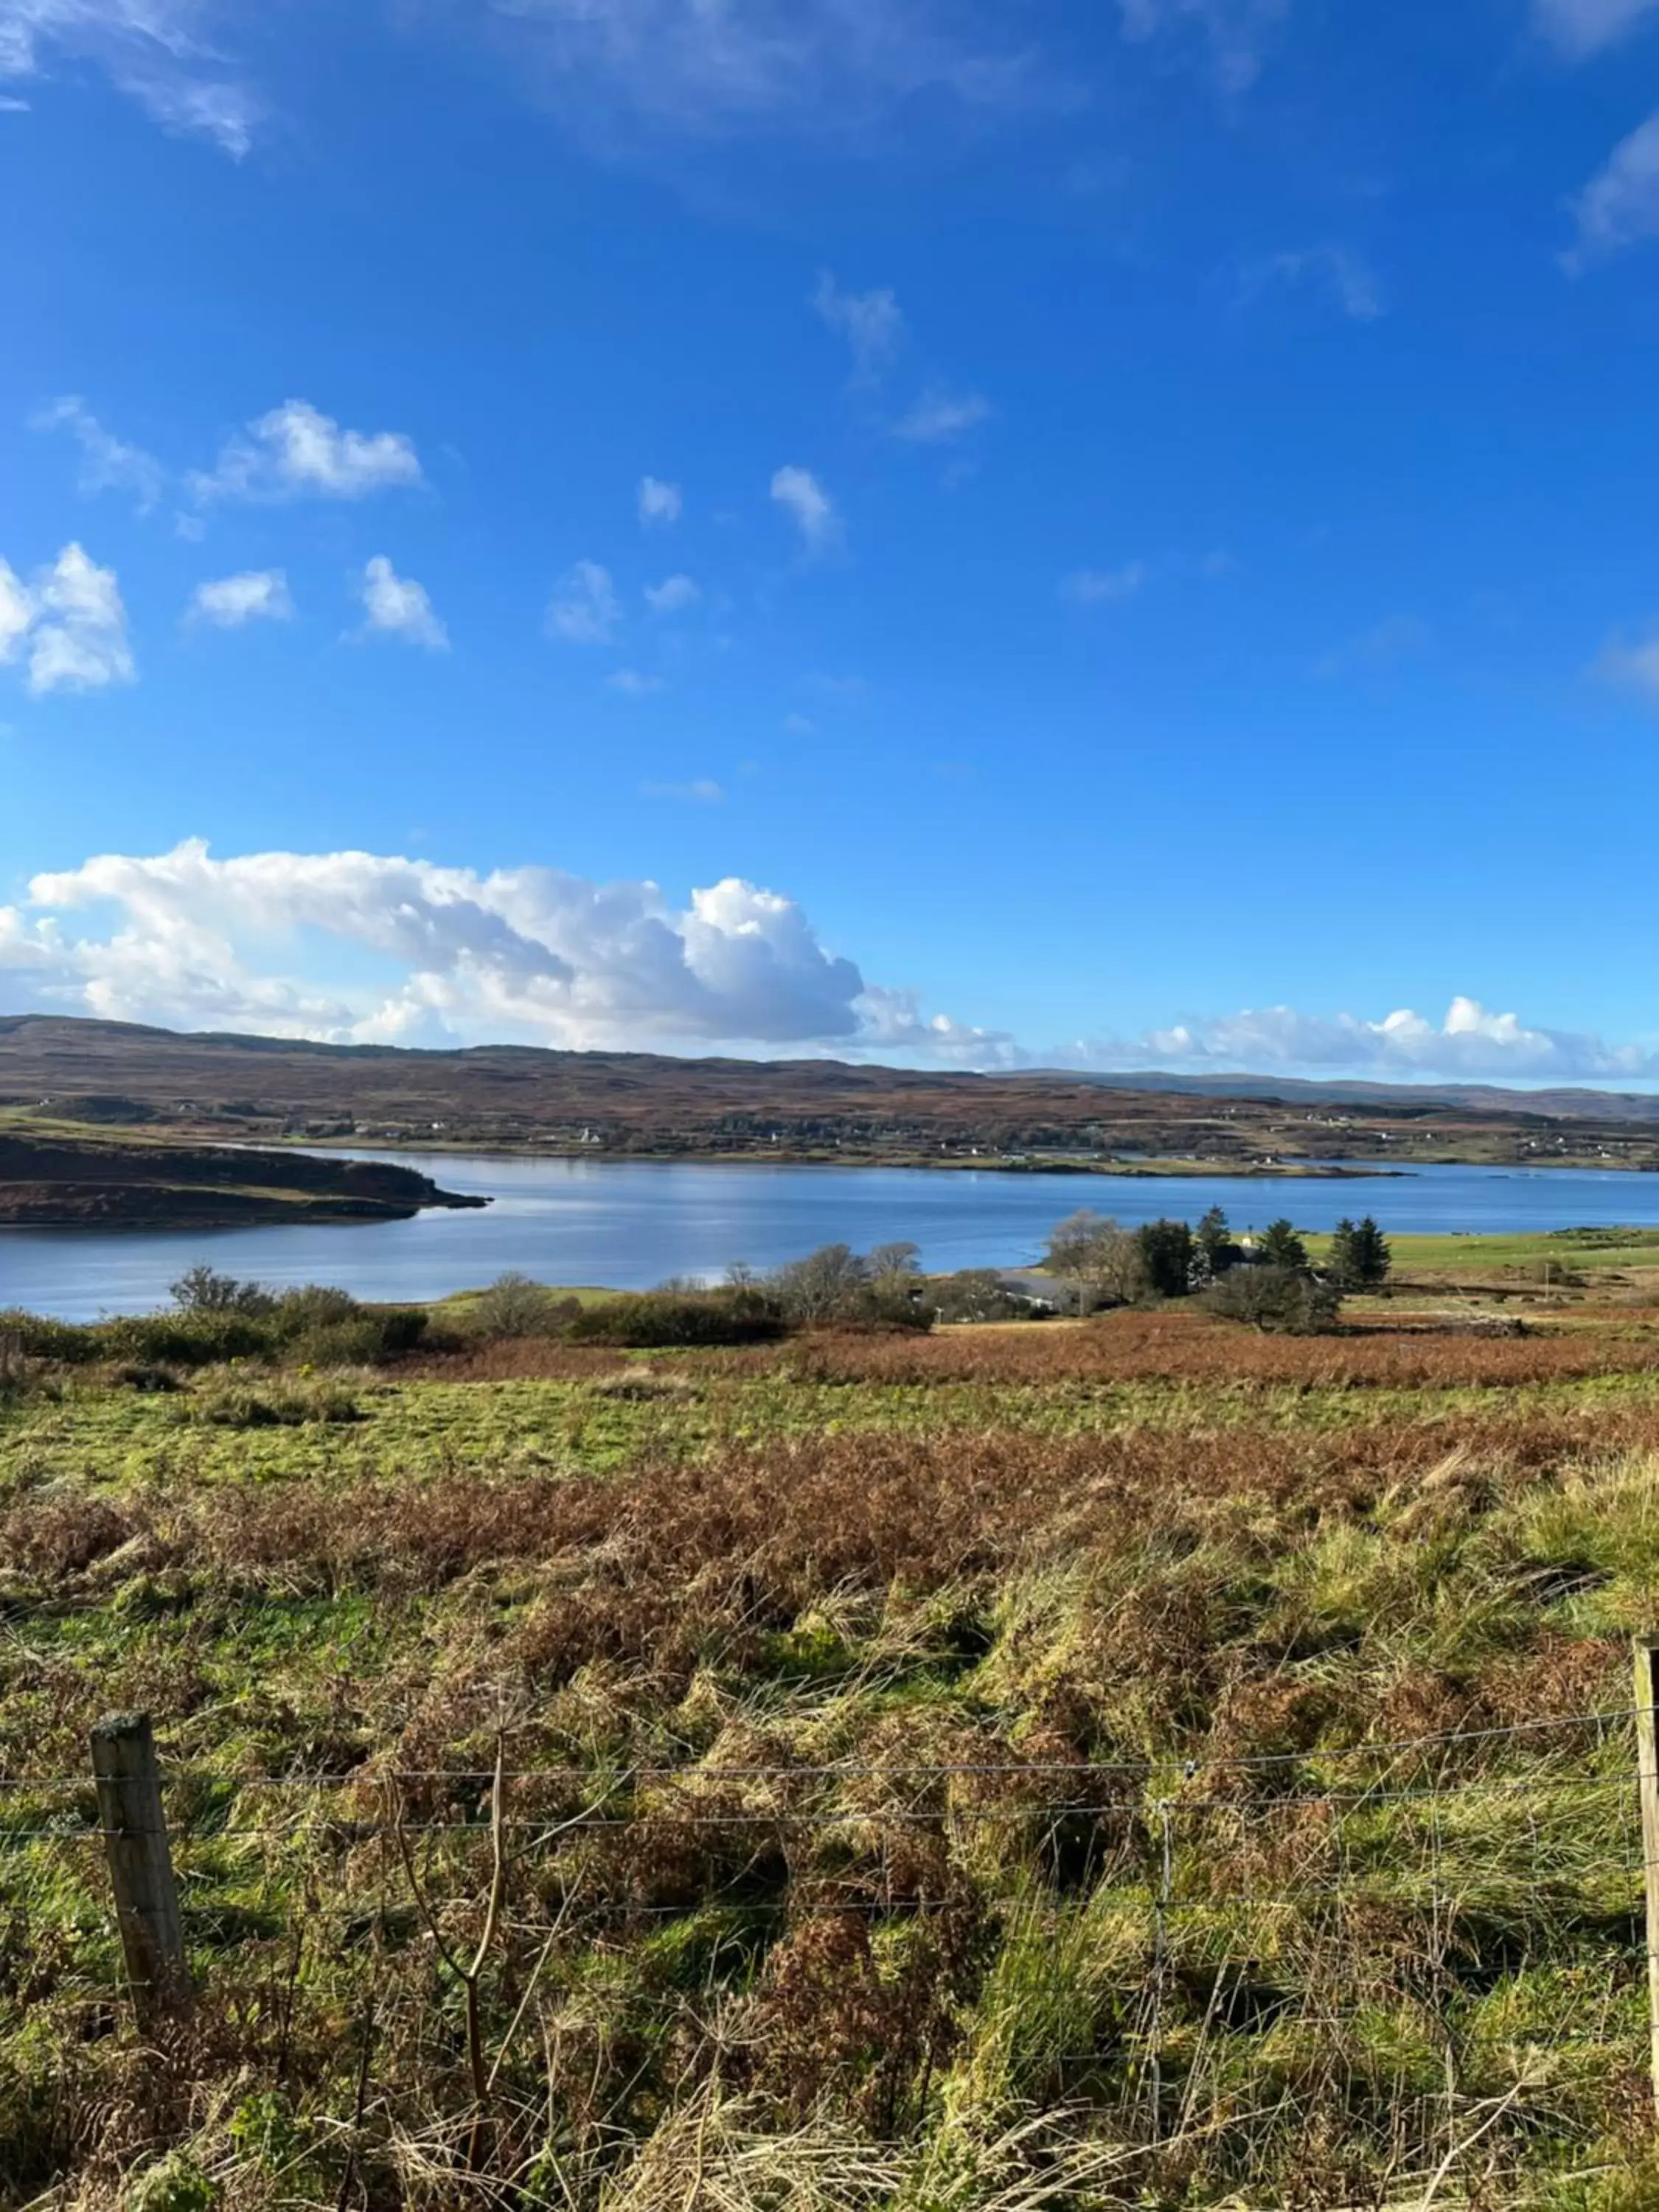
1134, 1762
262, 1091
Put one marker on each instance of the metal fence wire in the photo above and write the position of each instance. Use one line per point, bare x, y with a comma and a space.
1400, 1959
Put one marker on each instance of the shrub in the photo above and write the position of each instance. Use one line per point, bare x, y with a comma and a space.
284, 1405
1278, 1300
643, 1319
976, 1294
35, 1337
515, 1305
191, 1338
202, 1289
368, 1338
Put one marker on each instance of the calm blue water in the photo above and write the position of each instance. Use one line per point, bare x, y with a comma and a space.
629, 1224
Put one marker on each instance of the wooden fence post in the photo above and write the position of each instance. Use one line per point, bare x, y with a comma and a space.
140, 1868
1647, 1768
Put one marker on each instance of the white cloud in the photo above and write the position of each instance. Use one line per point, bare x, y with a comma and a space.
660, 503
255, 595
160, 53
939, 415
872, 323
295, 452
635, 685
396, 606
800, 726
1632, 663
800, 492
585, 609
1470, 1042
1620, 206
704, 791
1237, 31
706, 68
70, 624
1584, 26
673, 596
107, 463
1346, 279
525, 952
1396, 639
1093, 587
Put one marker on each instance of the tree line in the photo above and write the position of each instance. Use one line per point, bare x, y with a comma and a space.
1268, 1280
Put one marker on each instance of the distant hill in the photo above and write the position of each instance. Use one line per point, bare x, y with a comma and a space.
1470, 1097
116, 1073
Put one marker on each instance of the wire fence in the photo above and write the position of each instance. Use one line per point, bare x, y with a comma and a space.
1389, 1956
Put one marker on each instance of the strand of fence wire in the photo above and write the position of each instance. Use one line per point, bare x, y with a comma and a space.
332, 1778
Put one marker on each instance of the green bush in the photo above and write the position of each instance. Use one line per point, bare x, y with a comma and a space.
514, 1306
1281, 1301
642, 1319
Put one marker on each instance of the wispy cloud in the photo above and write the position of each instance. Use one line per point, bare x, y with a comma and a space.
660, 504
1095, 587
68, 625
585, 609
107, 463
939, 415
1397, 638
703, 792
1343, 276
164, 54
1235, 34
1581, 27
696, 69
632, 684
872, 323
1632, 663
1620, 206
673, 595
798, 492
396, 606
296, 452
255, 595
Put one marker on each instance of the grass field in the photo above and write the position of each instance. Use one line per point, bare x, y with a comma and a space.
1136, 1762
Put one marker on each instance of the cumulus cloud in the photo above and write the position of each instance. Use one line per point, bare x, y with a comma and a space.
1236, 33
255, 595
1470, 1041
872, 323
69, 625
939, 415
1094, 588
161, 53
1343, 276
1580, 27
396, 606
660, 503
673, 595
799, 493
522, 952
295, 452
584, 609
1620, 206
107, 463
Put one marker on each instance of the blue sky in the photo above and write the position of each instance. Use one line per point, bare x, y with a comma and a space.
1115, 534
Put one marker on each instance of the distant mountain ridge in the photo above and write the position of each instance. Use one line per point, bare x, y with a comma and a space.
256, 1088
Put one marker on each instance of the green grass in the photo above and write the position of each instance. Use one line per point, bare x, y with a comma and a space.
1220, 1589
